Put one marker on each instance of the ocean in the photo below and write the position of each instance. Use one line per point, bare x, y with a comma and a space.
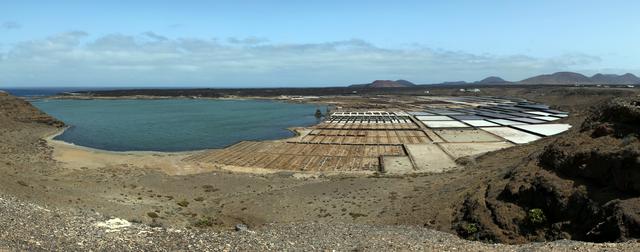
36, 92
175, 124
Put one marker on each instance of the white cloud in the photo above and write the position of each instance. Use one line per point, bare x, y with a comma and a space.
73, 58
247, 41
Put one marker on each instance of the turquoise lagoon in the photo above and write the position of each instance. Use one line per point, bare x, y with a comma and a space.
175, 124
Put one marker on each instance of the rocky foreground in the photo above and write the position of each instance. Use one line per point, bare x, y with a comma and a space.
27, 226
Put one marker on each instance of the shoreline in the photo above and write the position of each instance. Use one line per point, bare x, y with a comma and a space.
76, 157
50, 138
296, 130
286, 99
170, 163
54, 142
137, 97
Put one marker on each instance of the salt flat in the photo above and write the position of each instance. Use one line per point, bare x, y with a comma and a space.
513, 135
430, 158
545, 129
458, 150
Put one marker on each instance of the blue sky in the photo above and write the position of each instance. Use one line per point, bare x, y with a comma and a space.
309, 43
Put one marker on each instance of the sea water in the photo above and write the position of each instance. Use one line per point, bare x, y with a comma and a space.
175, 124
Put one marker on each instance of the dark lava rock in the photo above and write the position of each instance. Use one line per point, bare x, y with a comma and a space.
584, 184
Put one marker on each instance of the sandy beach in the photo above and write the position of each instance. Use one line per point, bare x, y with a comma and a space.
81, 158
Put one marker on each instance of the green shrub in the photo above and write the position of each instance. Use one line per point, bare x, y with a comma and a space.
536, 216
470, 228
204, 222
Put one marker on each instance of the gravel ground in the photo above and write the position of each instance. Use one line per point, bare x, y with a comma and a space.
27, 226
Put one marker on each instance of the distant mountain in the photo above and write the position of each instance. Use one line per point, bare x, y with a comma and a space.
454, 83
492, 80
405, 83
570, 78
385, 84
614, 79
559, 78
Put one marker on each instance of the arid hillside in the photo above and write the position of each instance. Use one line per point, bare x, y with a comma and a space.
15, 109
581, 185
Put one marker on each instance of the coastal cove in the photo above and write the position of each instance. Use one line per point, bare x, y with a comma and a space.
174, 125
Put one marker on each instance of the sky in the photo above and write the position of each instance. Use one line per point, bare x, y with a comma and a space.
309, 43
